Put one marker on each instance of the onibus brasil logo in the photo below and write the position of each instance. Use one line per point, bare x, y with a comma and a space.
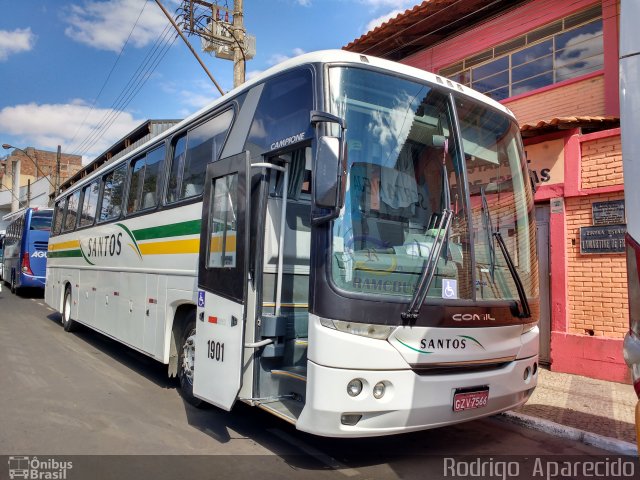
40, 469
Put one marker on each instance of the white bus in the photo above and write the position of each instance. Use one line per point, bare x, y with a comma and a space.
346, 242
630, 125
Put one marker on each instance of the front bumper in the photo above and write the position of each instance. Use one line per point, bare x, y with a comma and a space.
411, 402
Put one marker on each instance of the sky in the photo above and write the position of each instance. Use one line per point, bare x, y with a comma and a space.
83, 73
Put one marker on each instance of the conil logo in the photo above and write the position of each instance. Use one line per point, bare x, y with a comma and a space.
470, 317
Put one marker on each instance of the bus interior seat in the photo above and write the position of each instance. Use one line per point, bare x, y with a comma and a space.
149, 200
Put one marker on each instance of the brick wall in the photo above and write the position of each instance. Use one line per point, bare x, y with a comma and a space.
597, 284
69, 165
601, 163
585, 97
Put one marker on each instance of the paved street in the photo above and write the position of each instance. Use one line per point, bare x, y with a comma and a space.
82, 393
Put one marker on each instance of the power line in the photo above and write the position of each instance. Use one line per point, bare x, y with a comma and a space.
144, 4
144, 70
135, 91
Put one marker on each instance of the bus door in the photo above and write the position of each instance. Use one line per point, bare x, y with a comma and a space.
222, 282
281, 369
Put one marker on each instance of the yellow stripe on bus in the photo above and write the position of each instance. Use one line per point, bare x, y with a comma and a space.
170, 247
64, 245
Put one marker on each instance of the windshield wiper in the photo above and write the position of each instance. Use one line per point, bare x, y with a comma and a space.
429, 267
526, 311
488, 227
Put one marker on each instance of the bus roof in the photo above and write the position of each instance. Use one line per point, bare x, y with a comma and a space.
12, 215
322, 56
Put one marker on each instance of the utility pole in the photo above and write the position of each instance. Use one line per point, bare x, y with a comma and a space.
221, 30
238, 53
184, 39
15, 203
28, 192
57, 183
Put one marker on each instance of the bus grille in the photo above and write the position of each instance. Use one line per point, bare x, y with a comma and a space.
462, 367
41, 245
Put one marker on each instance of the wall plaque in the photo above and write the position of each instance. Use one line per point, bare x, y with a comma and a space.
602, 239
608, 213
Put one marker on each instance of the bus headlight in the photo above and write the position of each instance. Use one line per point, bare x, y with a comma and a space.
379, 389
379, 332
354, 387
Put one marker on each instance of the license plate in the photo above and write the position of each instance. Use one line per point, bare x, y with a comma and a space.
470, 400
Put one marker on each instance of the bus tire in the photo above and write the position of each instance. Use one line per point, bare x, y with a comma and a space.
67, 323
14, 289
185, 361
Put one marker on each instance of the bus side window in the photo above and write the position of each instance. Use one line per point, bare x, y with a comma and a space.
59, 214
202, 145
144, 181
176, 169
89, 204
113, 190
72, 211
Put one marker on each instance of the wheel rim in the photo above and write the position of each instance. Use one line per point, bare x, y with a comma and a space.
66, 312
188, 356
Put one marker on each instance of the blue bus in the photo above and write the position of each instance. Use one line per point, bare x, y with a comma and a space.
25, 248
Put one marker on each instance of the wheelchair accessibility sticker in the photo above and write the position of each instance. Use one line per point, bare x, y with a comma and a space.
449, 288
200, 298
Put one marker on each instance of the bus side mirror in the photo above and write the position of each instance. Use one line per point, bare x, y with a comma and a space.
329, 171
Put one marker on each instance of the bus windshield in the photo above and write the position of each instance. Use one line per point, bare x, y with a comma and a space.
405, 170
41, 221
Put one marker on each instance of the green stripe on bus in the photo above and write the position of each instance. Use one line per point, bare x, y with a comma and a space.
172, 230
65, 253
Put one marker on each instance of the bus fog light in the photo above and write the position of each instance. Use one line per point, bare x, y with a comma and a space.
379, 389
354, 387
535, 367
350, 418
527, 372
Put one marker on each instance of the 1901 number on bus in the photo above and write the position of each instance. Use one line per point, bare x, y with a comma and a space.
215, 350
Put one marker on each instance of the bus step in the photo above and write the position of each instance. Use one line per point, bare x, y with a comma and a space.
287, 409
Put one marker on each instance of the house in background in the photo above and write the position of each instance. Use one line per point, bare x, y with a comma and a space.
35, 184
555, 65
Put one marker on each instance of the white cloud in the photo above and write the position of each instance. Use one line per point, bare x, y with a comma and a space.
16, 41
48, 125
376, 22
279, 57
196, 100
304, 3
251, 74
106, 25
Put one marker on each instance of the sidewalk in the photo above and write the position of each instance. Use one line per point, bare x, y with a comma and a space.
595, 406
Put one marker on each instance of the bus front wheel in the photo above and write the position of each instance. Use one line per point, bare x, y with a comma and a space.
67, 323
186, 361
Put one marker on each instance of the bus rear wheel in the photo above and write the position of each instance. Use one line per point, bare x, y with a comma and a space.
67, 323
14, 288
186, 362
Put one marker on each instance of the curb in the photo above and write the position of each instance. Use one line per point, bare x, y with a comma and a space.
613, 445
